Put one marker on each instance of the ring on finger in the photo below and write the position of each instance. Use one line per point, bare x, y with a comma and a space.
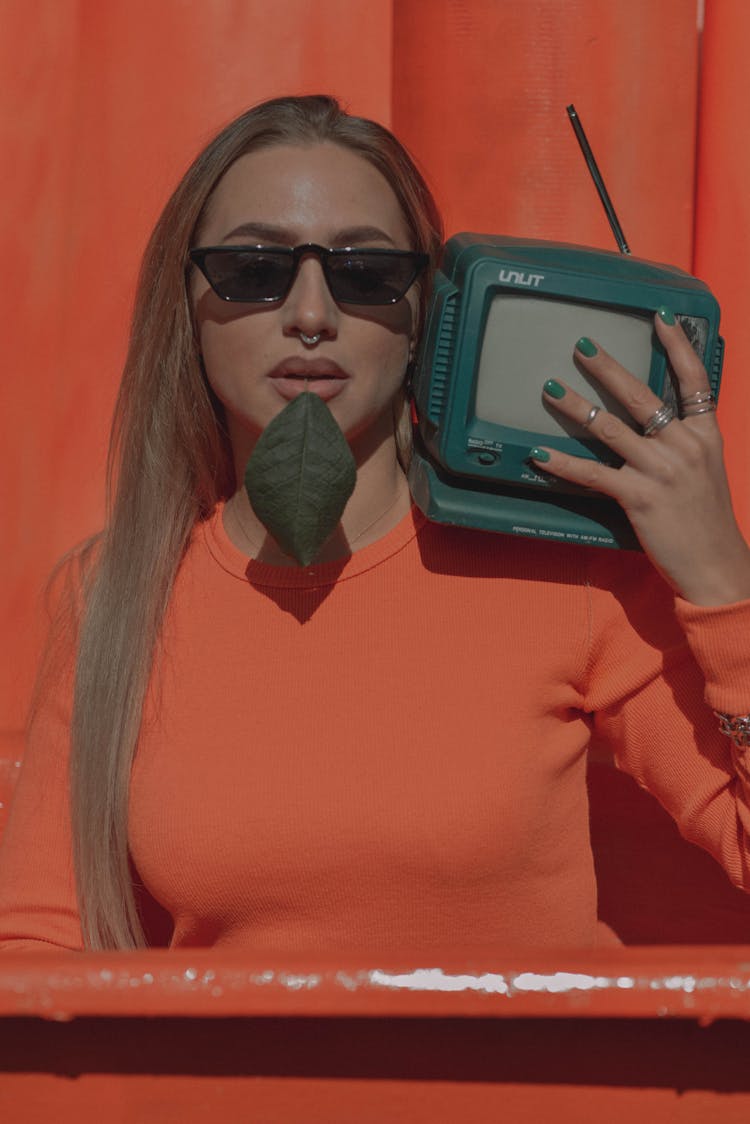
693, 411
591, 415
658, 420
698, 397
702, 402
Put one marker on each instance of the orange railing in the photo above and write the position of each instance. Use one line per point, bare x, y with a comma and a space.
645, 1035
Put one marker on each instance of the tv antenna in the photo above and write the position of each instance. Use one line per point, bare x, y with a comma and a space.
597, 178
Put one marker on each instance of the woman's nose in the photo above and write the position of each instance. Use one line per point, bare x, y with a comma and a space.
309, 307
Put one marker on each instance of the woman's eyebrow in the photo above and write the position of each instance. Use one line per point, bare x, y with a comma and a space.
353, 235
268, 233
261, 232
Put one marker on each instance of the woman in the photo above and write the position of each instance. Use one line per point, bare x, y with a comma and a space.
386, 748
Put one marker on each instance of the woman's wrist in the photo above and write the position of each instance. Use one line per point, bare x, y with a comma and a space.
725, 581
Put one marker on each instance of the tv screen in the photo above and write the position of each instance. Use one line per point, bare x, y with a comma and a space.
523, 345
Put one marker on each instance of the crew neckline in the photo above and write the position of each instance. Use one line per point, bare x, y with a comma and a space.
240, 565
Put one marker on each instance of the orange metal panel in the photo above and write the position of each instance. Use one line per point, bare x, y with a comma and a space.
340, 1071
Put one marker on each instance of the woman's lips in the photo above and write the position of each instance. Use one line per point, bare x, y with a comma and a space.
294, 376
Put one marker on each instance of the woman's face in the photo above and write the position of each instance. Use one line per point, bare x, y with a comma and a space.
254, 357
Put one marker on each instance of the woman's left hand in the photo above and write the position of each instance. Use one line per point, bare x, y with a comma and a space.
672, 485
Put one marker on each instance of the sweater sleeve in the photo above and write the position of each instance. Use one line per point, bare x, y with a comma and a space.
38, 907
658, 667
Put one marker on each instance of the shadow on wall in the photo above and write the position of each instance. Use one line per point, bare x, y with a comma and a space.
654, 887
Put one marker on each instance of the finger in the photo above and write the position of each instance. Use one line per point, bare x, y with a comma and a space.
634, 394
605, 427
690, 373
698, 417
581, 470
698, 404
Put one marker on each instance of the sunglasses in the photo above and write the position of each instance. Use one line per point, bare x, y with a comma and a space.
266, 273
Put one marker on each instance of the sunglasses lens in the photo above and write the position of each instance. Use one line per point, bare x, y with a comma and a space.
354, 277
250, 275
370, 278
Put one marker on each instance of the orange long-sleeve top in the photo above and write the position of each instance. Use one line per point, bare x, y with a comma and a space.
389, 753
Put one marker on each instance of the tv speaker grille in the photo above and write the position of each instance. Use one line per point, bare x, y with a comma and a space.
442, 359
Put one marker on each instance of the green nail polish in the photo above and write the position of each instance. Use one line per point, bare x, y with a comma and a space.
554, 388
586, 347
539, 455
666, 315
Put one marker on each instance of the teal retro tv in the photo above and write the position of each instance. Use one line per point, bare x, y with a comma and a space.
504, 316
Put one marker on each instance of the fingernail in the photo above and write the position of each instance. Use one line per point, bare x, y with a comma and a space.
666, 315
586, 347
554, 388
539, 455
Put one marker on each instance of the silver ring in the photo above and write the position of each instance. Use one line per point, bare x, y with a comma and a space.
663, 416
309, 340
698, 398
704, 408
702, 402
591, 415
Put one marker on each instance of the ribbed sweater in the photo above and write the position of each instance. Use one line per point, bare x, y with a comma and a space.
388, 754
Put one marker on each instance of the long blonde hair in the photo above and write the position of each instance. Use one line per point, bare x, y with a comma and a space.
169, 464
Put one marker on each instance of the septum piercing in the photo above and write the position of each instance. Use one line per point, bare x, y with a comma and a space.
309, 340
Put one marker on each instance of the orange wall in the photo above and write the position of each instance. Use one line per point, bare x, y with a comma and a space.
480, 92
722, 219
105, 104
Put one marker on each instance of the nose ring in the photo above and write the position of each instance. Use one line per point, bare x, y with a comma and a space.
309, 340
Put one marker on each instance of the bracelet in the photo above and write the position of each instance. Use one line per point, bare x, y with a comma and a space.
736, 727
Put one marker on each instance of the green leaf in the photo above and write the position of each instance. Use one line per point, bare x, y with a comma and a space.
300, 476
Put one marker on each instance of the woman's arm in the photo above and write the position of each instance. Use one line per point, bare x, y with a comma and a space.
658, 668
673, 487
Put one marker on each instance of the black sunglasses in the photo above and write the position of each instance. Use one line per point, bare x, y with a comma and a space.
266, 273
